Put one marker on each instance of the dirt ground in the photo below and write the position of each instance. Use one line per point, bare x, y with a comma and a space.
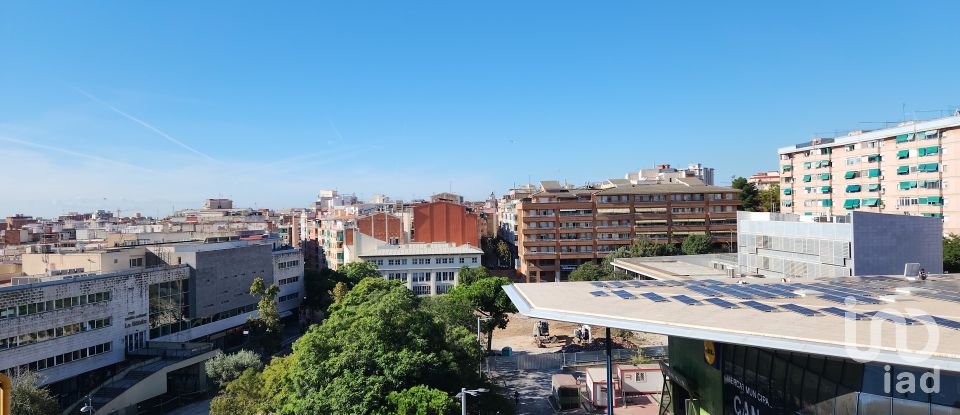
519, 336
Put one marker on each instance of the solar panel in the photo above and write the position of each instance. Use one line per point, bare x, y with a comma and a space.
599, 293
800, 310
892, 317
673, 283
844, 313
637, 283
600, 284
757, 293
843, 300
624, 294
654, 297
617, 284
775, 291
705, 291
686, 300
720, 302
940, 321
658, 283
733, 292
758, 306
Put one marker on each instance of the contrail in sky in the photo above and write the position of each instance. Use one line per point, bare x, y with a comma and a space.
72, 153
143, 123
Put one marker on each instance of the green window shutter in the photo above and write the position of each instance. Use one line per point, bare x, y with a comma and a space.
903, 138
921, 152
787, 191
903, 170
788, 203
902, 154
853, 188
934, 200
826, 203
823, 163
824, 176
825, 189
874, 187
871, 202
851, 203
873, 173
907, 185
850, 175
787, 167
929, 167
806, 178
873, 158
807, 165
932, 150
922, 200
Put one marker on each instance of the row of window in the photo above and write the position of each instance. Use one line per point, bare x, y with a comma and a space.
288, 264
288, 297
51, 305
58, 360
181, 325
50, 334
425, 261
291, 280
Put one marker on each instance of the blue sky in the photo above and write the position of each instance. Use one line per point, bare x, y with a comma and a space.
149, 106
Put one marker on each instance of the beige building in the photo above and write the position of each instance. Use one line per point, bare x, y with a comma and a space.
905, 169
108, 260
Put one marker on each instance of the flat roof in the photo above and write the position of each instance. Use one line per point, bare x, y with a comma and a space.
825, 334
912, 127
411, 249
681, 267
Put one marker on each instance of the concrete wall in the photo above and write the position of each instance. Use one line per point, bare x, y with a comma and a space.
153, 386
223, 277
97, 261
882, 244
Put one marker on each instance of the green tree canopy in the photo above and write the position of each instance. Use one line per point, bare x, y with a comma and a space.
504, 252
359, 270
468, 275
378, 339
421, 400
748, 194
697, 245
769, 200
490, 301
224, 368
588, 271
951, 253
29, 398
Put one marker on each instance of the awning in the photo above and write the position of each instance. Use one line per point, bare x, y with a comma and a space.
929, 167
927, 151
908, 185
850, 175
902, 154
787, 191
787, 167
871, 202
825, 189
823, 163
851, 203
875, 187
903, 138
934, 200
824, 176
873, 173
873, 158
806, 178
903, 170
826, 203
853, 188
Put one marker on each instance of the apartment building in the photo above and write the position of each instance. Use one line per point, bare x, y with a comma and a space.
905, 169
561, 227
425, 268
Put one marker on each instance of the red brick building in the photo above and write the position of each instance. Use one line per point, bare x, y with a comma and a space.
379, 225
445, 222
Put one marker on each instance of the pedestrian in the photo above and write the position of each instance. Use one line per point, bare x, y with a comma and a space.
516, 398
923, 274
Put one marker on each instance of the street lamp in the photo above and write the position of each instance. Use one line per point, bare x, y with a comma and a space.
88, 408
463, 397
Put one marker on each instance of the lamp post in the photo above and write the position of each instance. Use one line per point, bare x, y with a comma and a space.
88, 408
480, 369
463, 397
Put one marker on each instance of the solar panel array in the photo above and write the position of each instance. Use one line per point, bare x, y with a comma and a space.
844, 291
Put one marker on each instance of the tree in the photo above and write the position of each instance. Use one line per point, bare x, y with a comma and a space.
469, 275
319, 287
748, 194
588, 271
359, 270
504, 252
489, 300
421, 400
769, 200
340, 291
28, 398
266, 325
378, 339
451, 311
223, 368
697, 244
951, 253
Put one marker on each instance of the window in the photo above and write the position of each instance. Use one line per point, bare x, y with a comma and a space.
473, 260
421, 289
136, 262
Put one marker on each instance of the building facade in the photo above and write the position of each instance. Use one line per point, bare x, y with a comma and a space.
902, 170
562, 227
443, 221
425, 268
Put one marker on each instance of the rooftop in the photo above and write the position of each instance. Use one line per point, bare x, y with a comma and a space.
413, 249
855, 137
653, 307
680, 267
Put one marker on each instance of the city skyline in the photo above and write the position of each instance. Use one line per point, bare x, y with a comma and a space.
145, 108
